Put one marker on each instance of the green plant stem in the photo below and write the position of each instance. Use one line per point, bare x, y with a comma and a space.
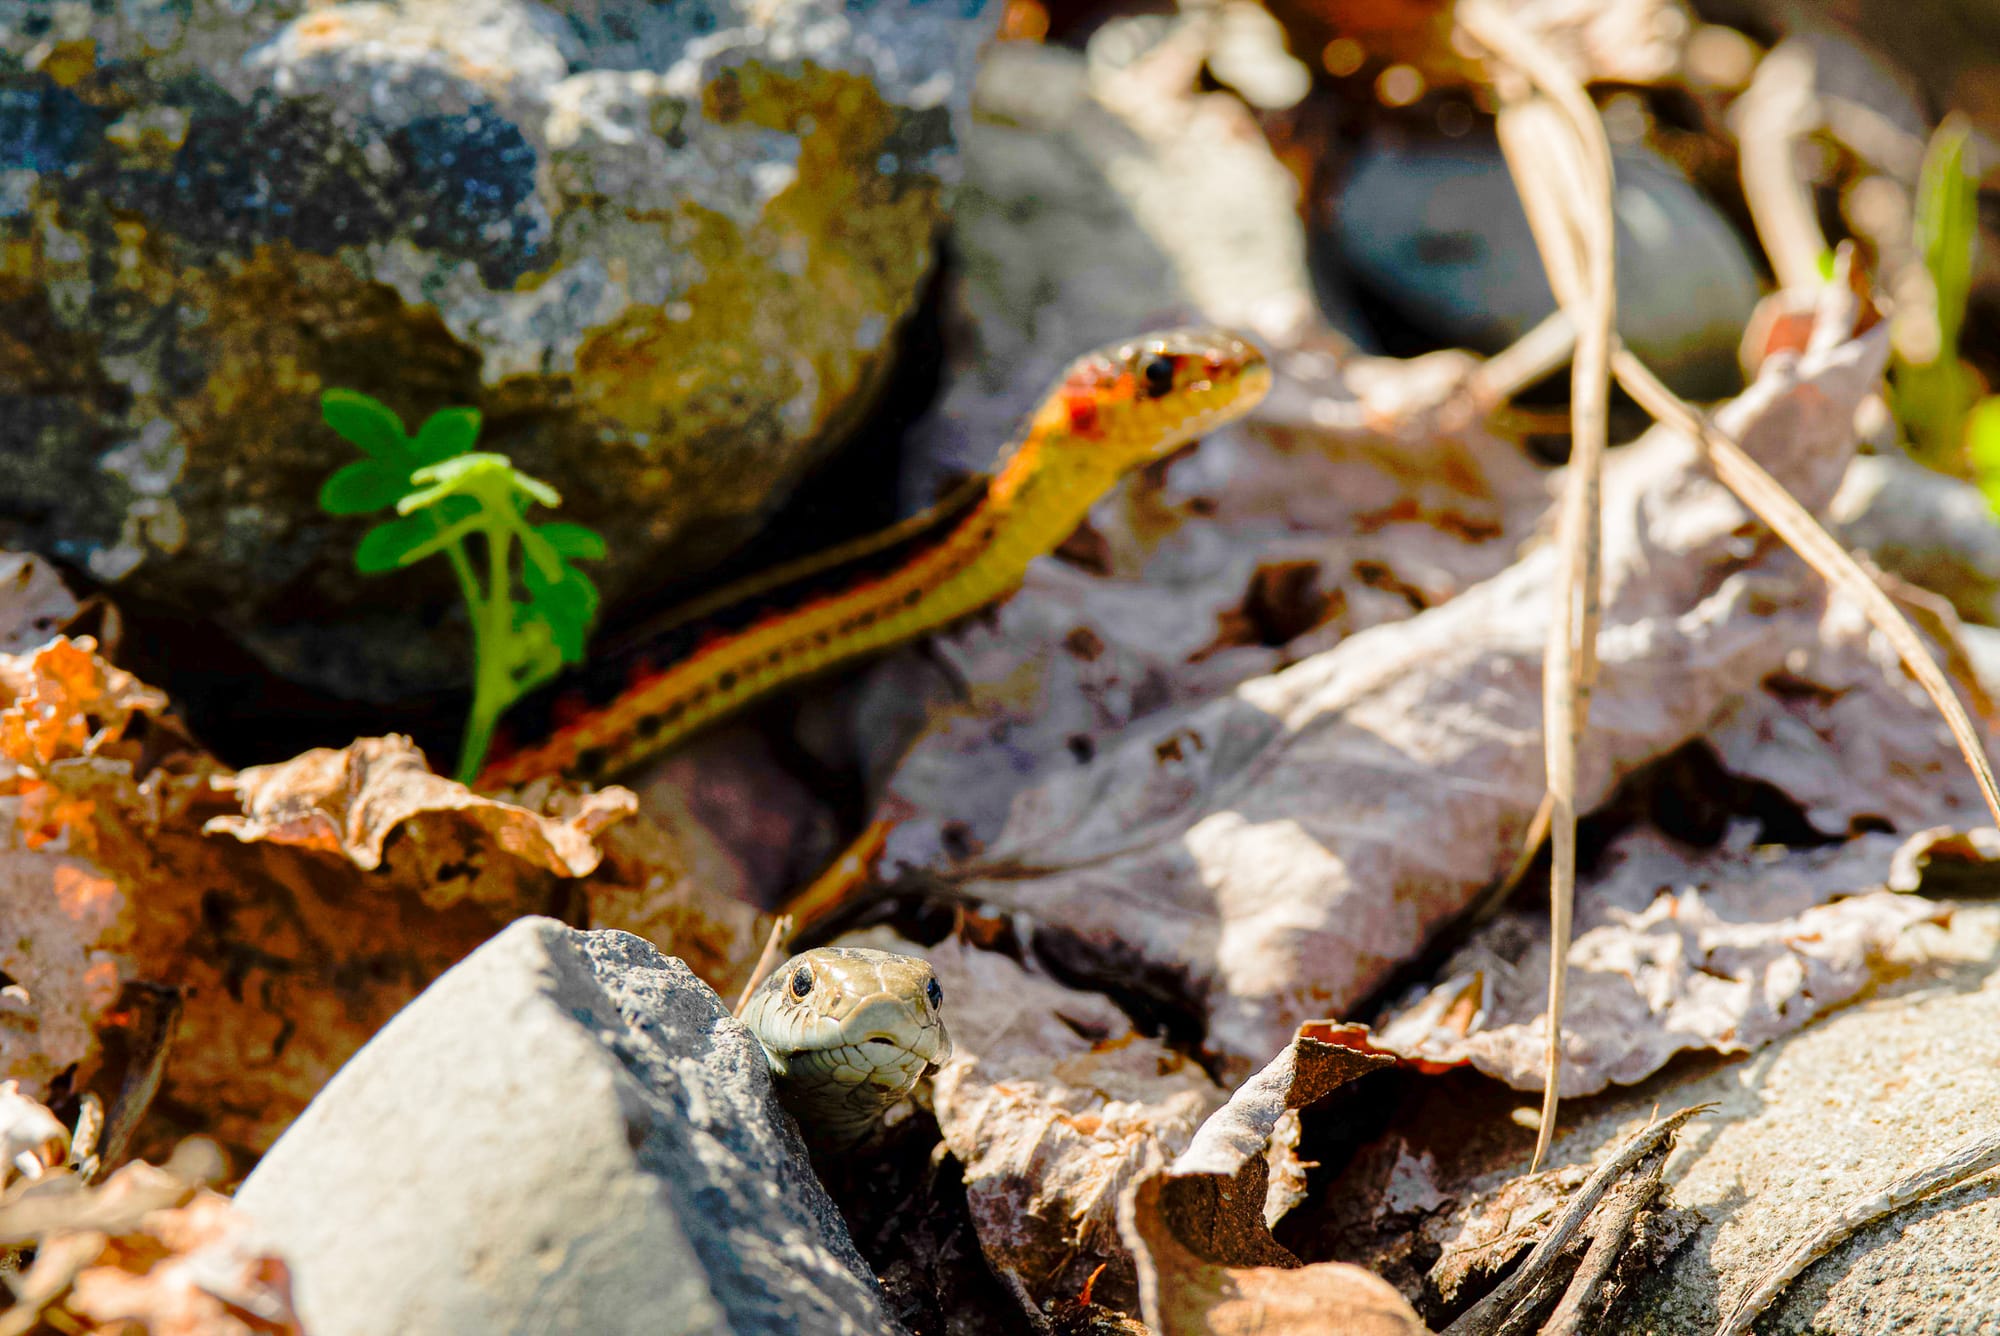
493, 678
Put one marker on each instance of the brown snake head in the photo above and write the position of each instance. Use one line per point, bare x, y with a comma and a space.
849, 1032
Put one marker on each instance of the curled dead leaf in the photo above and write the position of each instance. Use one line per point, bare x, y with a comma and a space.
350, 880
149, 1250
1676, 949
1200, 1232
189, 1271
1215, 1194
349, 802
1948, 863
1191, 1296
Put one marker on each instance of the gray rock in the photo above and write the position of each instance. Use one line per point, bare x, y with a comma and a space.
1099, 202
1817, 1122
1982, 650
1931, 529
565, 1133
663, 247
1437, 229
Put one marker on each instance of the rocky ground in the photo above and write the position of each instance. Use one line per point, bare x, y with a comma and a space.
1210, 832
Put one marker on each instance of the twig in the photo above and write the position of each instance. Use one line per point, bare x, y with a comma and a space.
1569, 212
1969, 1159
1536, 354
767, 960
1610, 1235
1779, 107
1490, 1313
1520, 1321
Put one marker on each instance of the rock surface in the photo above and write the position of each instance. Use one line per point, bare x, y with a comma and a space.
566, 1132
663, 248
1437, 230
1931, 529
1103, 197
1823, 1120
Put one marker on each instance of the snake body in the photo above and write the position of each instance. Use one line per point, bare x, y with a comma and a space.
1120, 407
849, 1032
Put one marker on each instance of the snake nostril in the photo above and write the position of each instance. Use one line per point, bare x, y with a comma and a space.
880, 1039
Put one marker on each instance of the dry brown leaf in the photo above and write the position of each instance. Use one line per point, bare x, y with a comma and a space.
1283, 848
1675, 950
1215, 1196
190, 1271
1190, 1296
1201, 1227
63, 1203
336, 887
1947, 863
1053, 1104
349, 802
63, 952
1200, 1232
148, 1251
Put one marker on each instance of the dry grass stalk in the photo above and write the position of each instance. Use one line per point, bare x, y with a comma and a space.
1561, 161
1560, 158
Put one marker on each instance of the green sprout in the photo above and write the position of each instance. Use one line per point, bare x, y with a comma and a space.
444, 493
1934, 389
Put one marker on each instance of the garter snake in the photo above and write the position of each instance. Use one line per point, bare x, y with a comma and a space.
1115, 409
848, 1032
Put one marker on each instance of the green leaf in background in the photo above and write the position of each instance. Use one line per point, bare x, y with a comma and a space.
568, 604
573, 540
387, 547
363, 486
367, 424
447, 492
536, 656
447, 432
1982, 446
1947, 226
1933, 389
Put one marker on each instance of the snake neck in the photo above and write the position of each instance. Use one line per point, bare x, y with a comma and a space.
1034, 503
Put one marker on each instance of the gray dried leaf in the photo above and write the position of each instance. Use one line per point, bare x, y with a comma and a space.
1675, 950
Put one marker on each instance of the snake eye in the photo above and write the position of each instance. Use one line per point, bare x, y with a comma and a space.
802, 982
1159, 374
935, 994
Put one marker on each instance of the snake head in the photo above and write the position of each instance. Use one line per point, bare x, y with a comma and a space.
849, 1032
1140, 400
